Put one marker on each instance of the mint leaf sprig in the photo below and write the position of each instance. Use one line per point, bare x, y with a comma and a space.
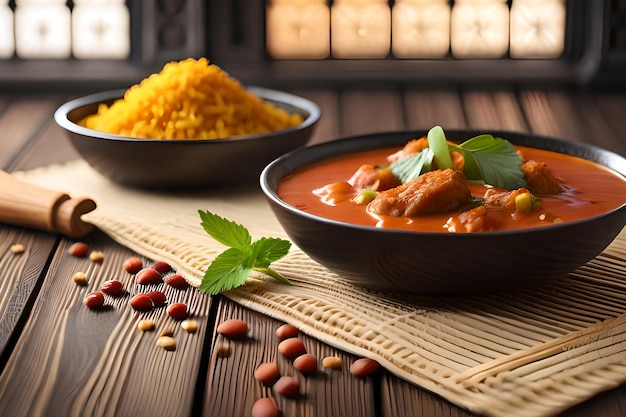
230, 269
488, 159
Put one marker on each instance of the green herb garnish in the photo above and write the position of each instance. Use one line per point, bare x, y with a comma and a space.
230, 269
493, 161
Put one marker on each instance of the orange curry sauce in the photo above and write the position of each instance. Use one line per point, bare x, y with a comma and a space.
590, 190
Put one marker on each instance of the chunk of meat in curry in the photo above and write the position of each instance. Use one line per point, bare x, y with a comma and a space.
434, 192
540, 180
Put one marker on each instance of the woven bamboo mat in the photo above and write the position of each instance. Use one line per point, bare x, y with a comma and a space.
530, 353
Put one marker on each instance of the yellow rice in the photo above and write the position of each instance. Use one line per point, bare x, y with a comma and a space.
189, 99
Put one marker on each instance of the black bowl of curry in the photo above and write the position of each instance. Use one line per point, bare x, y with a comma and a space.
387, 211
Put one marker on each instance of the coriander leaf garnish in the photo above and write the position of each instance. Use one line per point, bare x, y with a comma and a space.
409, 168
230, 269
492, 160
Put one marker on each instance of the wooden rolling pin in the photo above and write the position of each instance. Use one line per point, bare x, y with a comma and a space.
27, 205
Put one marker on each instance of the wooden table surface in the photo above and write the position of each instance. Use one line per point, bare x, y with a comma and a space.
58, 358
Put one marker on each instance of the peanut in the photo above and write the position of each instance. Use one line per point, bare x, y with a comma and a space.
332, 362
233, 329
167, 342
267, 373
148, 276
265, 407
112, 287
96, 256
288, 386
178, 311
17, 248
291, 348
133, 265
364, 367
190, 326
306, 363
94, 300
146, 325
78, 249
286, 331
80, 278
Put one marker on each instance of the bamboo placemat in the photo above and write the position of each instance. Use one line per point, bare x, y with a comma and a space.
529, 353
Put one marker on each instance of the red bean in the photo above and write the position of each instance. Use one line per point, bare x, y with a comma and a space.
178, 311
267, 373
141, 302
265, 407
148, 276
78, 249
94, 300
158, 298
306, 363
286, 331
288, 386
162, 267
291, 348
133, 265
112, 287
233, 329
364, 367
177, 281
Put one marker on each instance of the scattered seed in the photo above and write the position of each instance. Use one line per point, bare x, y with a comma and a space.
268, 373
17, 248
177, 281
306, 363
190, 326
167, 343
146, 325
94, 299
141, 302
291, 348
78, 249
168, 331
80, 278
158, 298
148, 276
96, 256
286, 331
162, 267
233, 329
112, 287
364, 367
287, 386
265, 407
133, 265
177, 311
332, 362
223, 351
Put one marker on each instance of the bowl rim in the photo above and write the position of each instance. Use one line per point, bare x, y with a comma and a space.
267, 94
271, 192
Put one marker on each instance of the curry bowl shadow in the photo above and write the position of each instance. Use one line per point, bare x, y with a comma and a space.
433, 263
169, 164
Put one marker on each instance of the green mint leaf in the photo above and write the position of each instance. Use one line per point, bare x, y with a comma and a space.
231, 268
439, 145
492, 160
409, 168
227, 271
268, 250
225, 231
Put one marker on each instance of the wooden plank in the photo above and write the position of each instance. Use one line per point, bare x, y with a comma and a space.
20, 122
20, 280
370, 111
232, 389
425, 109
81, 362
610, 109
328, 126
493, 110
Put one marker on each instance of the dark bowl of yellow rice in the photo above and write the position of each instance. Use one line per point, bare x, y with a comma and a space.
193, 162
